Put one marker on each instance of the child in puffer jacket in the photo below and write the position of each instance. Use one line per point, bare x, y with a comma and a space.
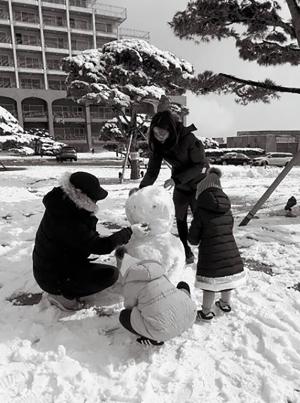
155, 310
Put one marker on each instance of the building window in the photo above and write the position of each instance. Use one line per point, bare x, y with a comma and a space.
27, 39
5, 82
55, 43
30, 83
4, 60
25, 17
58, 85
29, 62
3, 14
5, 37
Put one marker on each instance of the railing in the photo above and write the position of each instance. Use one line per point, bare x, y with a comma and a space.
107, 28
30, 65
68, 133
54, 21
4, 61
29, 41
53, 65
108, 10
31, 84
81, 45
35, 114
68, 114
57, 44
102, 114
5, 38
55, 1
25, 17
57, 85
134, 33
4, 15
6, 83
84, 25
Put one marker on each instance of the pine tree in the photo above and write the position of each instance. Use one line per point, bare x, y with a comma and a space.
260, 32
125, 74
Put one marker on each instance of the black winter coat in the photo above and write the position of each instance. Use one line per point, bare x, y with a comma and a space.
211, 228
185, 154
65, 238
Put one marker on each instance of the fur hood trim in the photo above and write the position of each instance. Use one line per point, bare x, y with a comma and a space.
81, 200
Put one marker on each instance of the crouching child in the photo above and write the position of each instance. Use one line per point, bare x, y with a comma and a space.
155, 310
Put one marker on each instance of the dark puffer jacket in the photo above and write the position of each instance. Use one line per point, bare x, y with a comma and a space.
184, 152
212, 228
65, 238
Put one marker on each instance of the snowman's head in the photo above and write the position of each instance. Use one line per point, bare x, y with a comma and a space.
153, 206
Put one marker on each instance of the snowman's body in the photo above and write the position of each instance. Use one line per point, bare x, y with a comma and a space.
150, 211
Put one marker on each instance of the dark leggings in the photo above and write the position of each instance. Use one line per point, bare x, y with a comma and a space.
87, 279
182, 201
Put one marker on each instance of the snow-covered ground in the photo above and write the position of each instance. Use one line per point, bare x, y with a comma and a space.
251, 355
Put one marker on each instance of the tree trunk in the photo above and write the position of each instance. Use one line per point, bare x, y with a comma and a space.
135, 165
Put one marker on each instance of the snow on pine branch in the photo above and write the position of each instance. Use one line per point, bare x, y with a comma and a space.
126, 71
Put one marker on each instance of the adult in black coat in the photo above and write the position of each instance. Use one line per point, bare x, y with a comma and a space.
219, 267
66, 237
171, 141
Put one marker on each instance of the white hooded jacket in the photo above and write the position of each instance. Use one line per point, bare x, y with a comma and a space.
160, 311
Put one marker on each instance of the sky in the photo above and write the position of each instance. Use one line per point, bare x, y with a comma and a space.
216, 116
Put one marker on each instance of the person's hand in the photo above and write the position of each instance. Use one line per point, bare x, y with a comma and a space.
169, 184
123, 236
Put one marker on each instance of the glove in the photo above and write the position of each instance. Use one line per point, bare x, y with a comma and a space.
290, 203
121, 237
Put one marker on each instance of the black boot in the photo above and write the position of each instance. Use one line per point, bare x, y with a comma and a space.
182, 228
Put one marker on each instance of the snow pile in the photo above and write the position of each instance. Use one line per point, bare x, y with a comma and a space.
16, 140
251, 355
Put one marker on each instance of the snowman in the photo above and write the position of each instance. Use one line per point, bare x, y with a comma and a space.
150, 212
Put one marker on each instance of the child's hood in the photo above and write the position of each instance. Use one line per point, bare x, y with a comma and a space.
214, 199
140, 270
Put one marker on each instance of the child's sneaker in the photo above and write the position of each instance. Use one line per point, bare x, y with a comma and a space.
223, 306
205, 316
65, 304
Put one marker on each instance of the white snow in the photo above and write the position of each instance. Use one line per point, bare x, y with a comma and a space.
251, 355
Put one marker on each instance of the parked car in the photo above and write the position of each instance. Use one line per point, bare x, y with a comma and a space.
235, 159
66, 154
214, 155
275, 159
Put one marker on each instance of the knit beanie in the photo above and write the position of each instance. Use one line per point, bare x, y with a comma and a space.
89, 185
211, 180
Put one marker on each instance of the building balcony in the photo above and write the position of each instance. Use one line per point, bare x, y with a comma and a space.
134, 33
115, 12
10, 67
57, 71
31, 2
35, 48
79, 31
53, 49
68, 116
4, 20
55, 28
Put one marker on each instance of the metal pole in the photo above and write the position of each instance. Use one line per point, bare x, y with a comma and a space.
270, 190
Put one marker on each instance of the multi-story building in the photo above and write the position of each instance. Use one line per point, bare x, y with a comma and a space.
34, 37
269, 140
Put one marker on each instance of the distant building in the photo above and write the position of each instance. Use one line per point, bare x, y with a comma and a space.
220, 140
34, 36
269, 140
